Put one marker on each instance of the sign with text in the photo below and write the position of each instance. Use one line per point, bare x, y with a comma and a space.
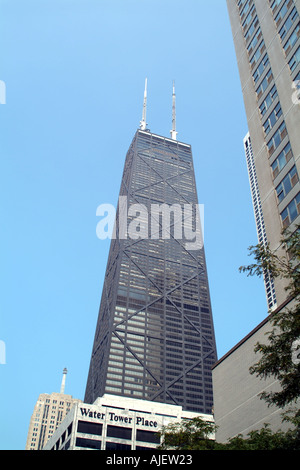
118, 418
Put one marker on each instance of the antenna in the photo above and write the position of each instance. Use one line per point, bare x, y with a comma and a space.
173, 131
63, 382
143, 122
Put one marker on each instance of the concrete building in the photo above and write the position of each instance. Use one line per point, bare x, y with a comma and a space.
266, 36
49, 412
116, 423
238, 407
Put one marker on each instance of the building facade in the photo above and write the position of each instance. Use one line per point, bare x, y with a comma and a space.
154, 338
266, 36
116, 423
238, 408
49, 412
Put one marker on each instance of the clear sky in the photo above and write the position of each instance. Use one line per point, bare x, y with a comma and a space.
74, 72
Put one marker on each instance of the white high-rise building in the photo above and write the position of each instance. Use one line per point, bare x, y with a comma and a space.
259, 218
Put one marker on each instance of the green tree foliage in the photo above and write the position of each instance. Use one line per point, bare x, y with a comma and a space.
189, 434
196, 434
264, 439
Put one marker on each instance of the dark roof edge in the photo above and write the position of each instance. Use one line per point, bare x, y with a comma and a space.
260, 325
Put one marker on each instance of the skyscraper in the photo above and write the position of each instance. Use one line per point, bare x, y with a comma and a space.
266, 36
259, 219
154, 338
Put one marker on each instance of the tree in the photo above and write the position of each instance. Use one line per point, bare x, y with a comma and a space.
279, 356
264, 439
189, 434
196, 434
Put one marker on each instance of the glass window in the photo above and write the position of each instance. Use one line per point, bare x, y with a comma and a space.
245, 7
89, 427
291, 211
117, 446
292, 40
257, 55
264, 84
277, 138
295, 60
254, 41
271, 96
283, 11
261, 68
241, 3
272, 119
274, 4
282, 159
287, 184
293, 16
147, 436
251, 30
88, 443
118, 431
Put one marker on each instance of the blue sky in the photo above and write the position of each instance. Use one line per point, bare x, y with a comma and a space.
74, 72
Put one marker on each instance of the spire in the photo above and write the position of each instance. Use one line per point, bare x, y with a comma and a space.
143, 122
173, 131
63, 382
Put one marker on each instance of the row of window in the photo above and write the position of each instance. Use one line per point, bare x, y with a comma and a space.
272, 119
291, 20
119, 432
268, 100
254, 37
283, 158
295, 60
250, 23
287, 184
289, 34
96, 445
289, 214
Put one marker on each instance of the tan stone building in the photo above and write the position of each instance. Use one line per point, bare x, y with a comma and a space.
49, 411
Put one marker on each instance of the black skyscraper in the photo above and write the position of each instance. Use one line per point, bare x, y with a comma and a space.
154, 338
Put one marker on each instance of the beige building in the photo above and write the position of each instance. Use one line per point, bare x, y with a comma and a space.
266, 35
49, 411
238, 408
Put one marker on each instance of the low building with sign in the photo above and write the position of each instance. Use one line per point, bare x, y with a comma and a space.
116, 423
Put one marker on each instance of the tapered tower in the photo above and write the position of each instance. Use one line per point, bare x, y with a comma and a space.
154, 337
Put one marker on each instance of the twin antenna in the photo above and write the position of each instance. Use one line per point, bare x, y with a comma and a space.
143, 122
